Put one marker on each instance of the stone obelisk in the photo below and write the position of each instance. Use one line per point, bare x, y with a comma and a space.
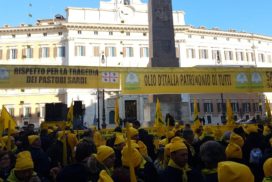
162, 49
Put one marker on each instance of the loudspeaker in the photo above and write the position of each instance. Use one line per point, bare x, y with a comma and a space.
60, 112
77, 108
49, 112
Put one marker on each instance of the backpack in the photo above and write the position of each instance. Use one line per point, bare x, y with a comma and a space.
255, 156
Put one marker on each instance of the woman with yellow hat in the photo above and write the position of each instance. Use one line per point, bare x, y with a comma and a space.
24, 169
102, 160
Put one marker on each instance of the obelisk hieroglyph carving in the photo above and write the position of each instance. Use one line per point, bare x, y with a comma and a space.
162, 49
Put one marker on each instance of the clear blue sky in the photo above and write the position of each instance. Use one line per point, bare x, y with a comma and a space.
243, 15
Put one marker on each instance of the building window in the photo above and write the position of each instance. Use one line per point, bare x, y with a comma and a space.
192, 106
29, 52
189, 36
261, 57
13, 35
216, 56
239, 56
110, 33
60, 33
203, 54
44, 34
228, 55
219, 106
110, 51
235, 106
27, 111
127, 33
11, 111
257, 107
29, 35
215, 38
61, 51
227, 38
128, 52
79, 32
246, 107
208, 107
190, 53
13, 53
249, 56
45, 52
202, 37
144, 52
95, 32
79, 50
144, 34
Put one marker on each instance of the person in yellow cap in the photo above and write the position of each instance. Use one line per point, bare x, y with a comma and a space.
177, 169
267, 168
40, 158
24, 169
134, 133
237, 139
118, 145
144, 170
229, 171
234, 153
103, 160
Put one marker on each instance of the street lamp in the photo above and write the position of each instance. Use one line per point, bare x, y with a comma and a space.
98, 110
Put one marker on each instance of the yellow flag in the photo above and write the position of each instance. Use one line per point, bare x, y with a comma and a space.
158, 115
230, 120
267, 109
116, 113
5, 118
196, 123
70, 115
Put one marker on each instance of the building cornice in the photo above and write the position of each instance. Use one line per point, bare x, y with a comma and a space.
132, 28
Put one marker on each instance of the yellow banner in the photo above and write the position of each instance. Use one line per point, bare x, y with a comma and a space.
41, 76
195, 80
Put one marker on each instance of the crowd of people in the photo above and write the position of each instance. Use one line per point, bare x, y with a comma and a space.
181, 154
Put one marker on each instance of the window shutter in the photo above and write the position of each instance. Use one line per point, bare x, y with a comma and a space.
75, 51
132, 51
107, 51
23, 53
114, 51
40, 52
31, 53
49, 51
8, 53
177, 52
141, 52
55, 52
1, 52
124, 52
84, 51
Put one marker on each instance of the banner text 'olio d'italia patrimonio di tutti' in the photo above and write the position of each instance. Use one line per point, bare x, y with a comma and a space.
139, 80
